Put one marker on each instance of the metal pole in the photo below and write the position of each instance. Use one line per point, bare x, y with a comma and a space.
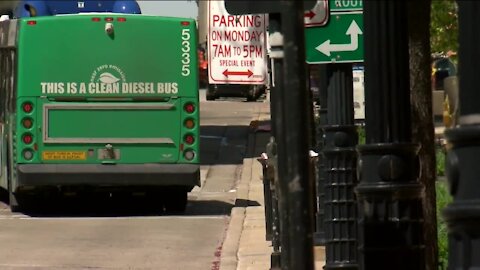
463, 215
390, 223
340, 171
293, 152
319, 237
280, 239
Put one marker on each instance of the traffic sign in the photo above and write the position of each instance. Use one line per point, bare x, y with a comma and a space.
237, 48
239, 7
318, 16
341, 41
345, 5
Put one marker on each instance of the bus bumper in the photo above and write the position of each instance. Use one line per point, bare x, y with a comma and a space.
117, 175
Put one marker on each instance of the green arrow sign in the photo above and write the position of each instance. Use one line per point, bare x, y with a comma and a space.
345, 5
340, 41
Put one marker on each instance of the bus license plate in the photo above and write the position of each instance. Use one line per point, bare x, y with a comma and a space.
64, 155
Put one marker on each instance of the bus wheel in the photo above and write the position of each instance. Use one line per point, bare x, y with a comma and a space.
176, 202
14, 205
21, 203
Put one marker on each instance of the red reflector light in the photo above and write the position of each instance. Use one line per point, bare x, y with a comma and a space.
189, 139
32, 22
122, 19
27, 107
189, 108
109, 19
185, 23
27, 123
27, 139
189, 123
96, 19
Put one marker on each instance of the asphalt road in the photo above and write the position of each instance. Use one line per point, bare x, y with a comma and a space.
119, 233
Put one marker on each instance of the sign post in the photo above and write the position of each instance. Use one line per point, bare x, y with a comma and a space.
237, 49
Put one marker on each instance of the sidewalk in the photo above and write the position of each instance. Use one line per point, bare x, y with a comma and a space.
245, 247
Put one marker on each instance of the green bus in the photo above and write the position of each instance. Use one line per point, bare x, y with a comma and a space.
99, 101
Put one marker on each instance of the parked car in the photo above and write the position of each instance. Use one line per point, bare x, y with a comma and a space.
250, 91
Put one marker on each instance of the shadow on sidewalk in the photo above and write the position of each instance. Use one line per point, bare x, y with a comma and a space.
246, 203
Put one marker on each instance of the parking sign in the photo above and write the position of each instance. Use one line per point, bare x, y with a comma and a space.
237, 51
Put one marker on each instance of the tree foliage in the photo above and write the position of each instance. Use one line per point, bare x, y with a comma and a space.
444, 26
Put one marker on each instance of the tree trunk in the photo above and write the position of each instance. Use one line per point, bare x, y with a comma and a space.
422, 118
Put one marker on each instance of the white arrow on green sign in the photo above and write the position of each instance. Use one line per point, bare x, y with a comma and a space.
340, 41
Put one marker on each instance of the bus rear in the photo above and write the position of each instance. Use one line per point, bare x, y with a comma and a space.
107, 100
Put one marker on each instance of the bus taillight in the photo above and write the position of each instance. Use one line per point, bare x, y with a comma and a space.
189, 123
27, 107
109, 19
189, 155
121, 19
27, 154
27, 138
96, 19
185, 23
189, 139
189, 108
27, 123
32, 22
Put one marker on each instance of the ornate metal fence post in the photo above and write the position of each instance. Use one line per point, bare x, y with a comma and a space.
340, 161
463, 169
280, 240
389, 194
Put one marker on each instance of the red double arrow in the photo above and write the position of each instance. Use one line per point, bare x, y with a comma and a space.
310, 14
248, 73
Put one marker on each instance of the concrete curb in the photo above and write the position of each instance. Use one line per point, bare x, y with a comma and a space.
229, 258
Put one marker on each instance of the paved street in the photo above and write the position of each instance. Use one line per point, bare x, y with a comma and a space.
102, 233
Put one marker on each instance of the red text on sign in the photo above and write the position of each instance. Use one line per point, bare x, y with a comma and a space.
237, 21
222, 50
250, 51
